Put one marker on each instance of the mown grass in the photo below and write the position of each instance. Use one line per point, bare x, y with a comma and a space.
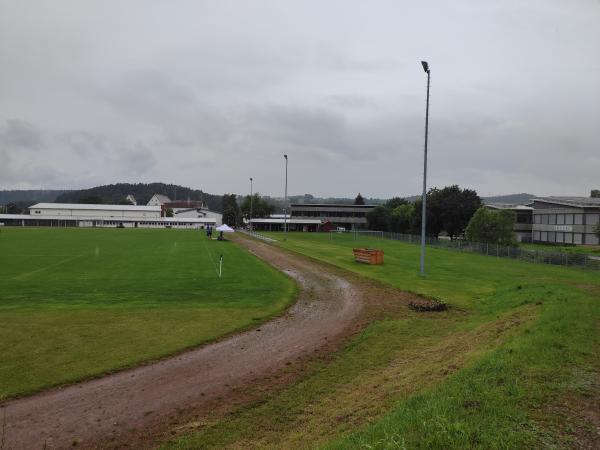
517, 338
76, 303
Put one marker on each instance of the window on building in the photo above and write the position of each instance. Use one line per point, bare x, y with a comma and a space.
568, 219
544, 219
560, 219
578, 219
537, 218
592, 219
568, 238
591, 239
560, 237
552, 219
551, 236
536, 235
544, 236
576, 238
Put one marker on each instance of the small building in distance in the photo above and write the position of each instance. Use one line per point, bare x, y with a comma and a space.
185, 208
276, 222
350, 217
566, 220
523, 219
158, 200
131, 199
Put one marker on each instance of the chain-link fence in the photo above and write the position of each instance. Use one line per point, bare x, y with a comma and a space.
576, 259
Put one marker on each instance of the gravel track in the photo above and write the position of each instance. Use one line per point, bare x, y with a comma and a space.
131, 408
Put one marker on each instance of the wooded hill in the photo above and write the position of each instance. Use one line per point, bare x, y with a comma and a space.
116, 193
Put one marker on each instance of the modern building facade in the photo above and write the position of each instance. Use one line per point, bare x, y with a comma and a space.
350, 217
566, 220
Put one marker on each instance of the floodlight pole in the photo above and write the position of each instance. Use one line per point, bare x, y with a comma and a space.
251, 199
285, 201
424, 198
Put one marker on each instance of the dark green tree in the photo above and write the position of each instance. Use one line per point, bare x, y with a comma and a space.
595, 193
11, 208
395, 202
378, 218
91, 200
169, 212
231, 210
402, 218
359, 200
260, 207
125, 201
492, 227
456, 207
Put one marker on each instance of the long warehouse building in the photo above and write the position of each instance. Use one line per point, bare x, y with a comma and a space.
93, 215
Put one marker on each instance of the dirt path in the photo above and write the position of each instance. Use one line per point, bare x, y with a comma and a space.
123, 407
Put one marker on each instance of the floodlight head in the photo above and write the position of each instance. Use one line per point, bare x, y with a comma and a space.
285, 156
425, 66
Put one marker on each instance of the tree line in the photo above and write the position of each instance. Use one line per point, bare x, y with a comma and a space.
455, 211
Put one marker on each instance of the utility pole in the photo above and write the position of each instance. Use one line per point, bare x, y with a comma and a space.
285, 201
424, 198
251, 199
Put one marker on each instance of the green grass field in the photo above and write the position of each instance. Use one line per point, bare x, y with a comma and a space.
513, 363
75, 303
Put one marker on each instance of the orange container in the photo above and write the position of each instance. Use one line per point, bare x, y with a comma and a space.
368, 255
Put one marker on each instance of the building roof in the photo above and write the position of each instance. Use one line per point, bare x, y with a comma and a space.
332, 205
580, 202
290, 221
113, 219
161, 198
508, 206
84, 206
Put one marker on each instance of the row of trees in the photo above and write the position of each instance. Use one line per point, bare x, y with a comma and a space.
448, 209
234, 213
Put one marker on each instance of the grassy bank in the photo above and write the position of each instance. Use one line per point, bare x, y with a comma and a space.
496, 370
79, 302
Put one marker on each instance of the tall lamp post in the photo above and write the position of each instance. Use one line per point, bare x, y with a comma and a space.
424, 200
285, 202
251, 199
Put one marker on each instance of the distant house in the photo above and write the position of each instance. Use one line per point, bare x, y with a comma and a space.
185, 209
131, 199
158, 200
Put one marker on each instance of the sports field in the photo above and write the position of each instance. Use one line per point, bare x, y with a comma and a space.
514, 362
75, 303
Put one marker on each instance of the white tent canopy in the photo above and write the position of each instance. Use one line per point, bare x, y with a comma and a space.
225, 228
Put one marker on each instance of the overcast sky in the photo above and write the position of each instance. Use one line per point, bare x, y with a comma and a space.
209, 93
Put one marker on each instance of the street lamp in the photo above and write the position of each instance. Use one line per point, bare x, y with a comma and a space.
424, 200
285, 202
251, 198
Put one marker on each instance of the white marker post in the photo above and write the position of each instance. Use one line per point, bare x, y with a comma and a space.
220, 265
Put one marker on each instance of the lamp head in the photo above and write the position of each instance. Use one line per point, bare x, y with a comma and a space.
425, 66
285, 156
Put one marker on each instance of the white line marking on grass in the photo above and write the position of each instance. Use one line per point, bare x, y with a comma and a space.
210, 256
41, 269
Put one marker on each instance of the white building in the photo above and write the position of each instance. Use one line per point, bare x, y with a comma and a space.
185, 209
158, 200
83, 215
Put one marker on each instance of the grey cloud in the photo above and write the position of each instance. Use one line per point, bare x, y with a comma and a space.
20, 135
